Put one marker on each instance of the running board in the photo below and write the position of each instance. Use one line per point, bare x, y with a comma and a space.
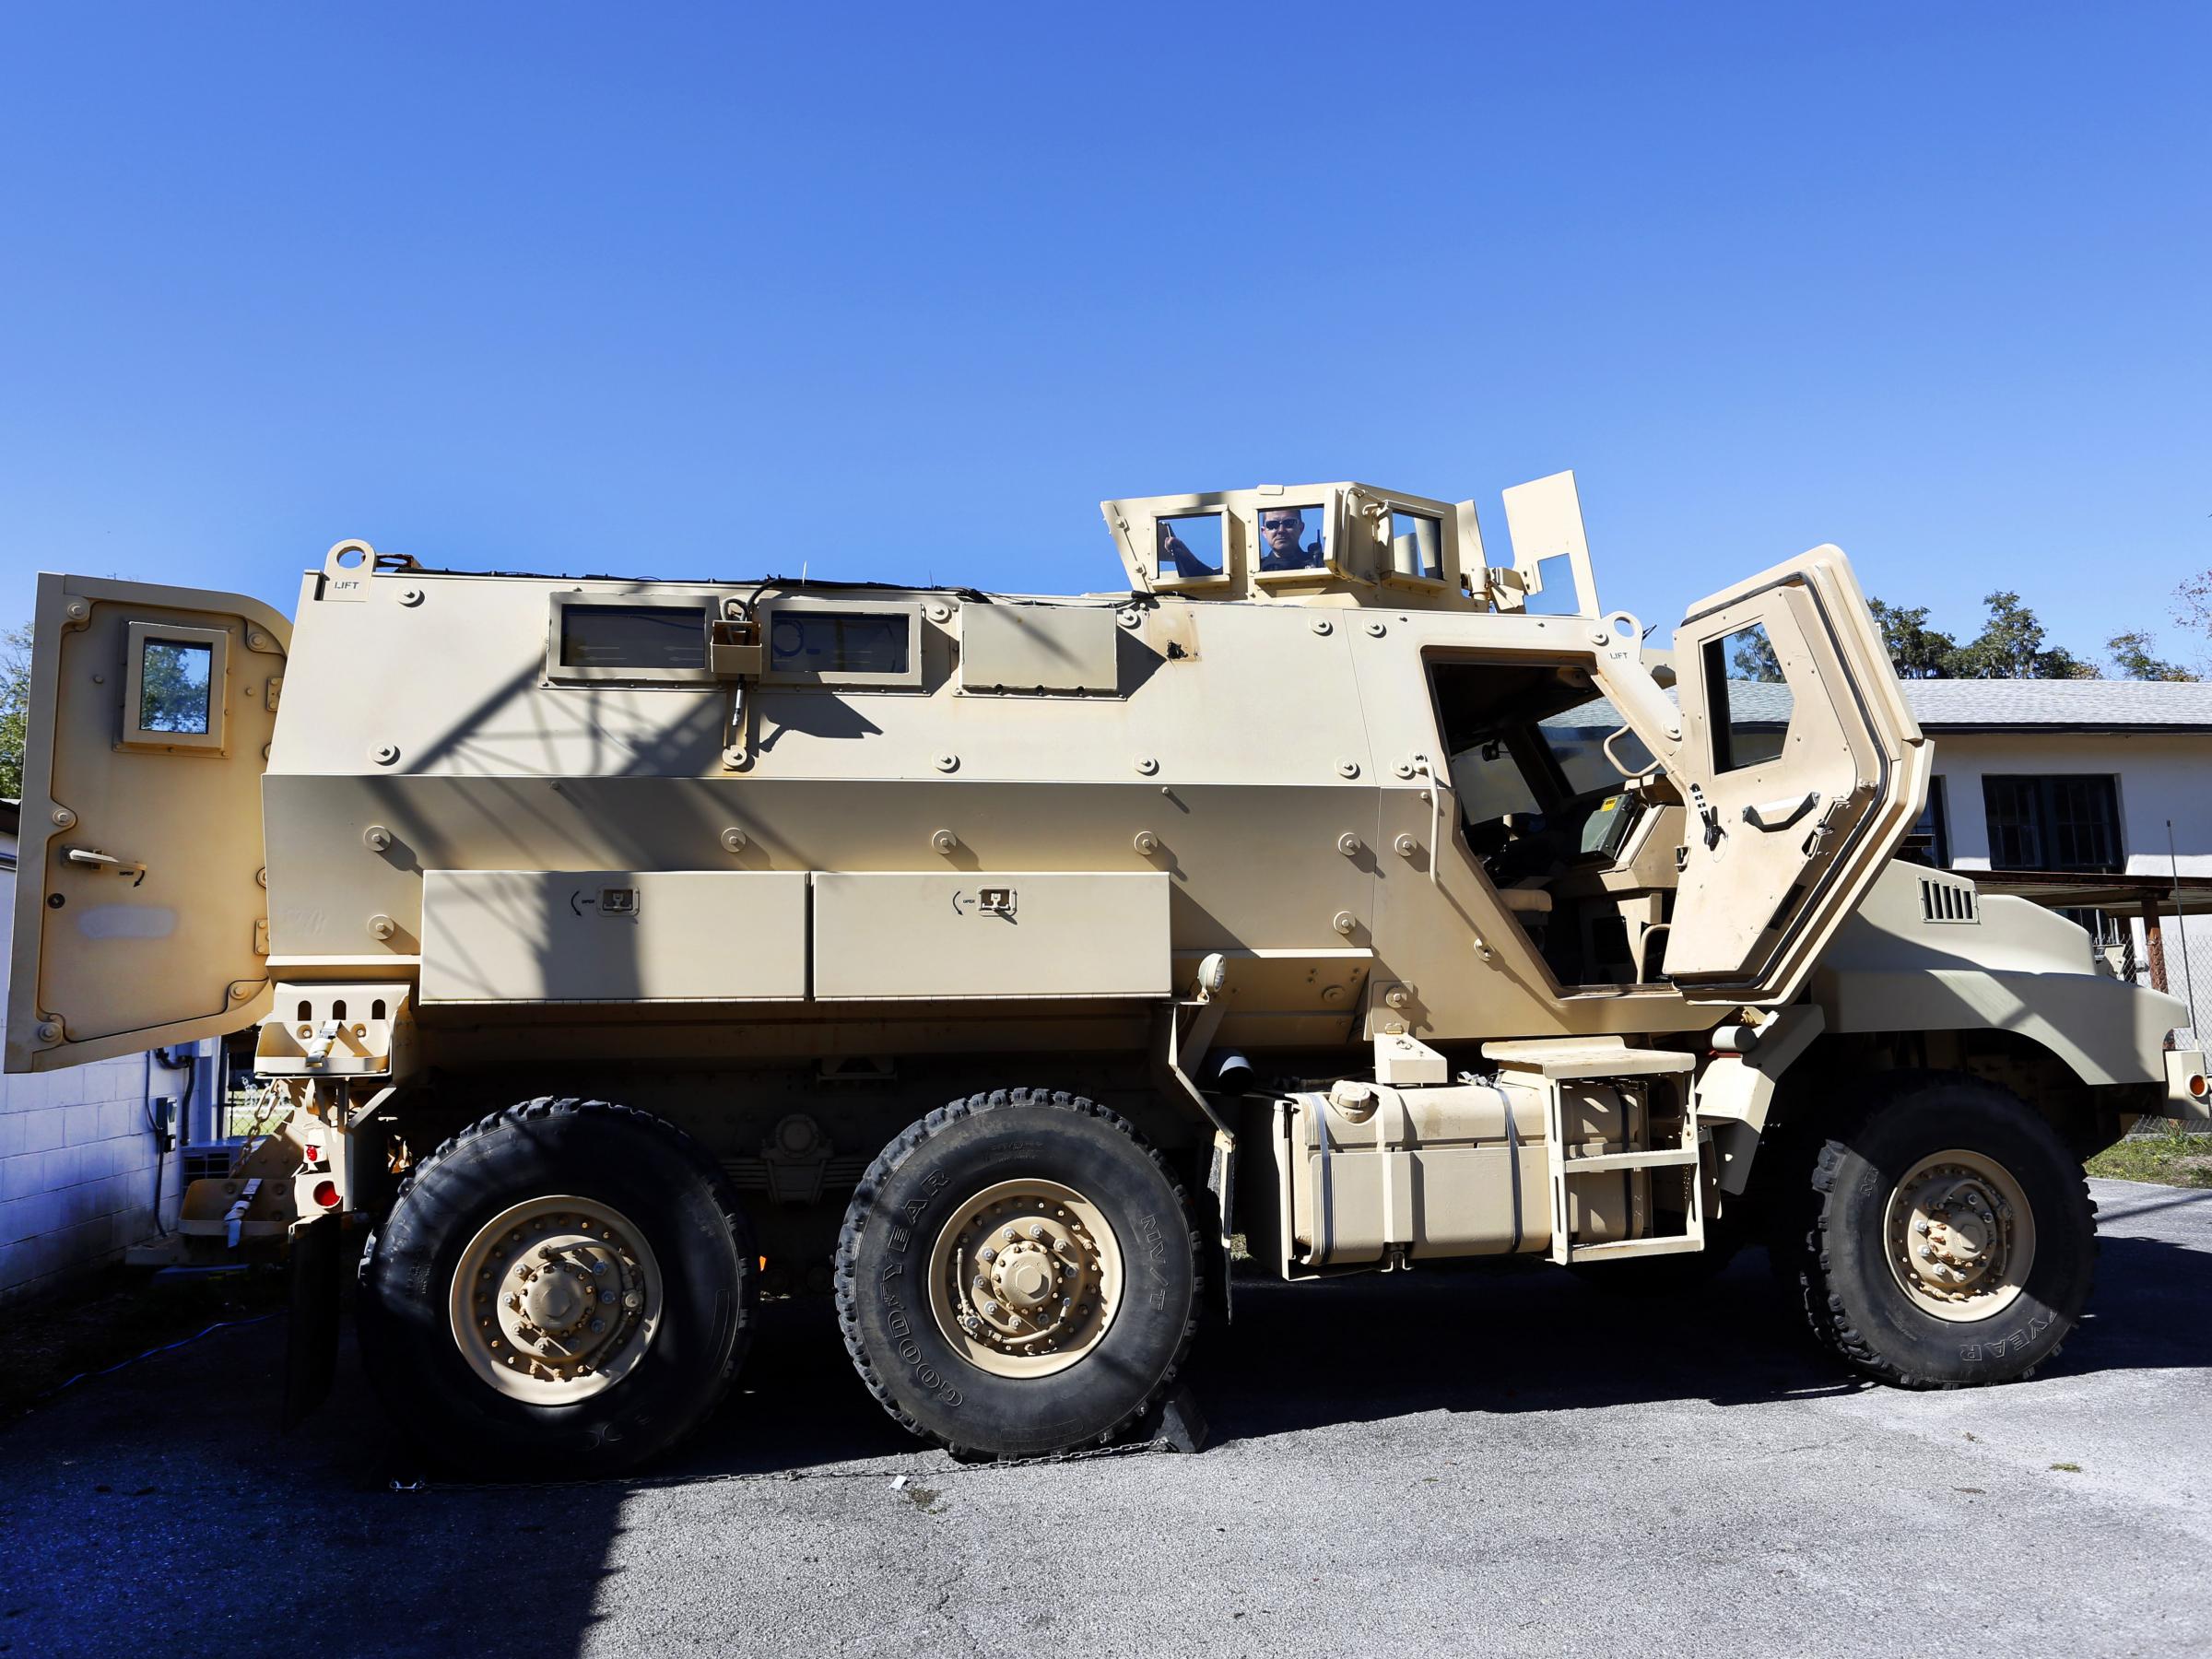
1596, 1060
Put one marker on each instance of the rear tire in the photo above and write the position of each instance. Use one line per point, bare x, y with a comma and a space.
1953, 1241
1018, 1275
611, 1228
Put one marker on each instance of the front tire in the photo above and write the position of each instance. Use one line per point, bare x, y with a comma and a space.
561, 1290
1953, 1240
1018, 1275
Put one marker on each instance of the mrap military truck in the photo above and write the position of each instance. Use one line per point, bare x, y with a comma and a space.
616, 950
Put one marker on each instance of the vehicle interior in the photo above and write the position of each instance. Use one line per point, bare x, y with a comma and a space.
1571, 819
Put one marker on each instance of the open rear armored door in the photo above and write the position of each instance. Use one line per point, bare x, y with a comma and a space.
1802, 768
141, 904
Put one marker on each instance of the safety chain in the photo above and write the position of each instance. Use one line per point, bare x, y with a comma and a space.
748, 1477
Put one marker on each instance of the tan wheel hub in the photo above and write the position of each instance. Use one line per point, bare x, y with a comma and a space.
1960, 1235
1025, 1277
556, 1300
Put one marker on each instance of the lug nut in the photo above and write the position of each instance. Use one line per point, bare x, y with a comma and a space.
1036, 1230
598, 1324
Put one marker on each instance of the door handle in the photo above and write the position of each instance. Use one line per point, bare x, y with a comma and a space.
1780, 814
105, 861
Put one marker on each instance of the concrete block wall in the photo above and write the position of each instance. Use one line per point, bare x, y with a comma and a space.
76, 1171
77, 1163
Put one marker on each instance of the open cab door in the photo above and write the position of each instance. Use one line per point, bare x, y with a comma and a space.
1801, 771
141, 904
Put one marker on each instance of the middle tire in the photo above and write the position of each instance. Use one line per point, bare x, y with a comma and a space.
1018, 1275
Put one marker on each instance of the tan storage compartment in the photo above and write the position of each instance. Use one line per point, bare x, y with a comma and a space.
954, 935
613, 936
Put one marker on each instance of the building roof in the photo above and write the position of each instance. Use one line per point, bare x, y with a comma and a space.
2089, 705
1977, 705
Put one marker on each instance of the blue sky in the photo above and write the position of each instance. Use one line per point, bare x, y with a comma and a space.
903, 294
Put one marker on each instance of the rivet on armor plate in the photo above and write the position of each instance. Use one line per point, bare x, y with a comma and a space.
733, 840
948, 762
945, 840
1397, 997
1147, 765
410, 596
1347, 769
1145, 842
1348, 844
376, 838
1322, 625
63, 817
1376, 629
382, 927
384, 754
1344, 923
1406, 846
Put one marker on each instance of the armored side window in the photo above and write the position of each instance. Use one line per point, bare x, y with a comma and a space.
1190, 548
636, 639
1416, 543
827, 642
1293, 536
631, 636
1751, 702
172, 694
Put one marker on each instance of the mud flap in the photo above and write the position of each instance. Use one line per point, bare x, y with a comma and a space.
310, 1348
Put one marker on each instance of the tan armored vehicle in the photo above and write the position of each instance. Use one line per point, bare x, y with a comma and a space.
619, 949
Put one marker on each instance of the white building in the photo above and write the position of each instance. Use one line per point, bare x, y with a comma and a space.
2083, 795
81, 1158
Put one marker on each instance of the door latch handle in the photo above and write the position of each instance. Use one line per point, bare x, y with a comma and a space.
1712, 818
1782, 814
105, 861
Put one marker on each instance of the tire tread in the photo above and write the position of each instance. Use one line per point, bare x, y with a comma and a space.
902, 1146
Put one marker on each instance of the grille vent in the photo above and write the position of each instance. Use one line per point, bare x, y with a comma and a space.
1946, 902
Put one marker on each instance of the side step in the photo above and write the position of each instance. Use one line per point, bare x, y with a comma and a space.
1605, 1059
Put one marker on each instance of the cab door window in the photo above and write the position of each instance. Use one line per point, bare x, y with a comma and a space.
172, 690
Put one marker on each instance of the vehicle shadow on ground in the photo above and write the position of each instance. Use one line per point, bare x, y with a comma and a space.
1367, 1348
179, 1451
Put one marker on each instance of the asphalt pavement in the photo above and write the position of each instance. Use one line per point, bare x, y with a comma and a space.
1431, 1463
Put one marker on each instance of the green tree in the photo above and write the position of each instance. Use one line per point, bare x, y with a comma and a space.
2132, 654
172, 687
1916, 651
1754, 657
2011, 646
15, 708
2192, 602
